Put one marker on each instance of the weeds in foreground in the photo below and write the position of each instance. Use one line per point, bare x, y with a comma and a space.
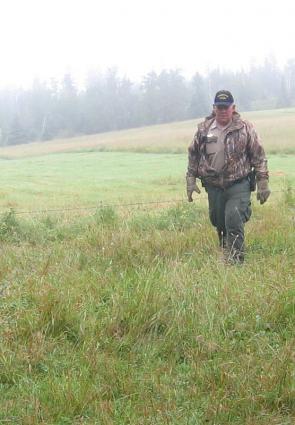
289, 195
111, 320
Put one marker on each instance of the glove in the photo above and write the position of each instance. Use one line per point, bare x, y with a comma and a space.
191, 187
263, 191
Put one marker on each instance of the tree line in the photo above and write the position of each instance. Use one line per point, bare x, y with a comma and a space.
51, 109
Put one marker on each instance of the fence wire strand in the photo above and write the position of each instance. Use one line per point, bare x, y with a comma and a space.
116, 205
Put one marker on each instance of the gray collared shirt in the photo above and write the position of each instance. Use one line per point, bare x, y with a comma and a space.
215, 145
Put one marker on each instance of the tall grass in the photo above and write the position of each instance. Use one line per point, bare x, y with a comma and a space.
134, 319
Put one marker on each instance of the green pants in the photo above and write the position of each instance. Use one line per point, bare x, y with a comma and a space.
229, 209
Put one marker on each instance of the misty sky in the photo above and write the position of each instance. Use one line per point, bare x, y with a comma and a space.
47, 38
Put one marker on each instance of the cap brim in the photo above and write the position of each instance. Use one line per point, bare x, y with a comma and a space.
223, 103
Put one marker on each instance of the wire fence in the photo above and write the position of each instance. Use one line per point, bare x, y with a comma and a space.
120, 205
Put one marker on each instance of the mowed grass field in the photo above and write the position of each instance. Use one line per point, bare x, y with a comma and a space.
90, 179
127, 315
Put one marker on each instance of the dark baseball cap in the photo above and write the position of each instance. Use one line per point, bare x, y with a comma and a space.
223, 97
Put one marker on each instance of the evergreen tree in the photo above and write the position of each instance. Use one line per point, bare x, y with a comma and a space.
110, 102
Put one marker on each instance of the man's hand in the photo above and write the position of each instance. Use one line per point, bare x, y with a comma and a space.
191, 187
263, 191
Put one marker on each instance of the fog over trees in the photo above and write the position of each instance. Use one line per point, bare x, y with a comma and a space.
109, 102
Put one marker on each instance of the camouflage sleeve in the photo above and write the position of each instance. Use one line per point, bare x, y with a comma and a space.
256, 154
193, 156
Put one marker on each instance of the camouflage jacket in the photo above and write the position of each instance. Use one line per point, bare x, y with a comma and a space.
242, 152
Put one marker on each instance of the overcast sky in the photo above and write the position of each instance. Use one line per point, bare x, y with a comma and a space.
46, 38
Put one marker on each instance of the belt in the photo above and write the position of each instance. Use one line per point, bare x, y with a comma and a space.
230, 184
227, 186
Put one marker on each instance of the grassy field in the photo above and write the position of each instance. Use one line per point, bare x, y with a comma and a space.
127, 315
89, 179
275, 127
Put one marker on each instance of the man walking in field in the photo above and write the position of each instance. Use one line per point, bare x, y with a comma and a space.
225, 154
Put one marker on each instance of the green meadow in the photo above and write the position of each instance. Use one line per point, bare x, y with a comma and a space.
121, 314
70, 180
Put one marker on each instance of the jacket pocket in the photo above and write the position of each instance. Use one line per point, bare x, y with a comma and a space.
245, 209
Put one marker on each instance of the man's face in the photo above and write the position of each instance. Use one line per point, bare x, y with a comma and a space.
224, 113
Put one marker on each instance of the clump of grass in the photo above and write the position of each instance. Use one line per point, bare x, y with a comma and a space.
106, 216
10, 228
289, 195
181, 217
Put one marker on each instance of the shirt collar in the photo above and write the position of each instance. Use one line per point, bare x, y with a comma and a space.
215, 125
